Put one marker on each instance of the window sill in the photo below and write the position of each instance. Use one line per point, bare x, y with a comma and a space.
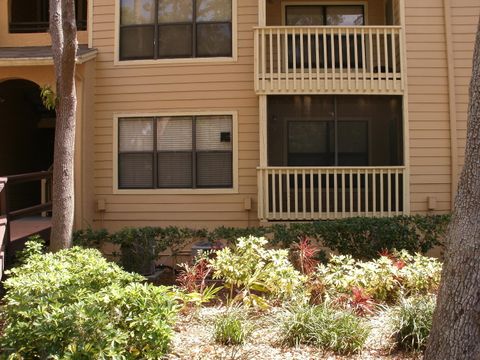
177, 61
174, 191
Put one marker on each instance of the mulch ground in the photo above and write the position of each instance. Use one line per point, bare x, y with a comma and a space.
193, 341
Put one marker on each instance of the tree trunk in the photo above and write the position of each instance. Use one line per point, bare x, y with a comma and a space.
63, 32
456, 324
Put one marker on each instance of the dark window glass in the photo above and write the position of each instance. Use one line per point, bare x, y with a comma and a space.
345, 15
187, 152
184, 28
135, 171
214, 169
136, 42
175, 41
214, 39
32, 16
175, 170
305, 15
317, 15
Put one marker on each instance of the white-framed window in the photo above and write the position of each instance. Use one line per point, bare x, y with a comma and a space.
176, 152
175, 29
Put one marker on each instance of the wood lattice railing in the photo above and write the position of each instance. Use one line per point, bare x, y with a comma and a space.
329, 59
315, 193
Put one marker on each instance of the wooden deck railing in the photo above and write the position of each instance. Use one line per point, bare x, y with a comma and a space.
7, 215
329, 59
314, 193
3, 224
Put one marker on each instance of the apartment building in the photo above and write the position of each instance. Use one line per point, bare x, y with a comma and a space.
203, 113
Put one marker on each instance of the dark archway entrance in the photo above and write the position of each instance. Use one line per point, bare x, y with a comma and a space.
27, 132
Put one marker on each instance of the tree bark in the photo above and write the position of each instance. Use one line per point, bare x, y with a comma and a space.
456, 324
63, 31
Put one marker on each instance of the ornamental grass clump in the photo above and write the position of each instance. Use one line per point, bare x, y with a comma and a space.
410, 322
231, 327
324, 327
75, 304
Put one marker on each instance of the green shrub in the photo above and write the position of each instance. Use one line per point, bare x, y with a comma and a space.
384, 279
35, 245
360, 237
231, 327
322, 326
90, 238
364, 237
411, 321
75, 304
420, 275
249, 267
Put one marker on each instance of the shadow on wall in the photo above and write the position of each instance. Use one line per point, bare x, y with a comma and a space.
27, 132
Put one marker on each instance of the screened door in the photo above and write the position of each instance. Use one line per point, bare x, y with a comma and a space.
321, 15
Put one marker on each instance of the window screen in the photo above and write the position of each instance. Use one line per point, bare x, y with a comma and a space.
175, 152
182, 29
326, 130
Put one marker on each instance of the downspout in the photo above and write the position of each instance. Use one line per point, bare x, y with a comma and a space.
452, 100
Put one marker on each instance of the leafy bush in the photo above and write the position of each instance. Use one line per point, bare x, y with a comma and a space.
336, 330
249, 267
411, 321
361, 237
90, 238
383, 279
364, 237
420, 274
35, 245
231, 327
74, 304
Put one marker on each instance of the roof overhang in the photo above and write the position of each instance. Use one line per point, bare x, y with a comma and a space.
39, 55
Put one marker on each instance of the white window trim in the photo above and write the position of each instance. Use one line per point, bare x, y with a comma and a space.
177, 61
364, 3
232, 190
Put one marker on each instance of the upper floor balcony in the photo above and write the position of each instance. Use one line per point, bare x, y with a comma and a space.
326, 48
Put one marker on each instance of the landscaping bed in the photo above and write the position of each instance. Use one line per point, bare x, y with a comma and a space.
244, 301
193, 340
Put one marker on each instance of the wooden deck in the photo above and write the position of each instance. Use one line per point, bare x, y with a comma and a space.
27, 226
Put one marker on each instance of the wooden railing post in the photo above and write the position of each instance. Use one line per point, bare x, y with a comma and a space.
4, 224
312, 59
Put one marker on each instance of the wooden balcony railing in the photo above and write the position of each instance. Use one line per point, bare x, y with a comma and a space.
315, 193
7, 215
3, 224
329, 59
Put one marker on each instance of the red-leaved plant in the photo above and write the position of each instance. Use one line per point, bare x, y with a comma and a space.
193, 277
398, 263
358, 301
304, 255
